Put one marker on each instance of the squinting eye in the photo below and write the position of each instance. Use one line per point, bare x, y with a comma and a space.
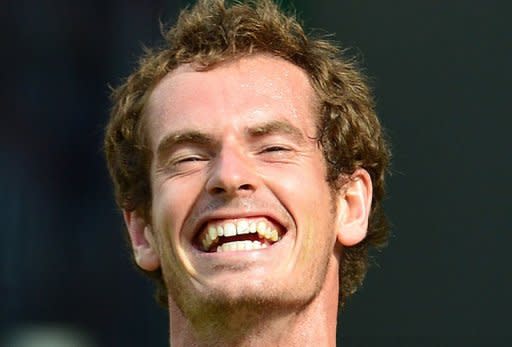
275, 149
188, 159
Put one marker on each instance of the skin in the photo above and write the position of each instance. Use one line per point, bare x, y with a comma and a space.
238, 142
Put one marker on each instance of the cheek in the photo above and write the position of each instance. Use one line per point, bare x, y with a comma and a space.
305, 194
172, 200
300, 187
171, 203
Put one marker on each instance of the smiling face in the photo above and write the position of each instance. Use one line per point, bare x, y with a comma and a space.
241, 210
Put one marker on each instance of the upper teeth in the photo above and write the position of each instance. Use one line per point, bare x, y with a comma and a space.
214, 231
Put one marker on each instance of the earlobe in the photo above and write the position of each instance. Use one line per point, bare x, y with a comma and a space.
142, 240
354, 205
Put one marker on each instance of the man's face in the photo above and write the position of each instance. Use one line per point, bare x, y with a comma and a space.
241, 208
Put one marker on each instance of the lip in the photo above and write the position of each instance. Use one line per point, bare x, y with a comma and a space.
257, 262
232, 215
218, 258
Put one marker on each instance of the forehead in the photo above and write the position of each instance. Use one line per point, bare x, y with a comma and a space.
237, 93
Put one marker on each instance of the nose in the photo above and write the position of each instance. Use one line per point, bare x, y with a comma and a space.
232, 175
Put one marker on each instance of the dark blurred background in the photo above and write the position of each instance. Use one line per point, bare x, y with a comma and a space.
442, 76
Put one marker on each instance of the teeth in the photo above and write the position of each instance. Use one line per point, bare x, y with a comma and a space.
273, 235
240, 246
241, 227
261, 228
212, 232
229, 229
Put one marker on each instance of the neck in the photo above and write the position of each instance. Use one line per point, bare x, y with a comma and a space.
315, 323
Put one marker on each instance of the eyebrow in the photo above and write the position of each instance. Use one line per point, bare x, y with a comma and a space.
276, 127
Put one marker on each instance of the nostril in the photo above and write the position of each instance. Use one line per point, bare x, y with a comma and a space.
221, 190
218, 190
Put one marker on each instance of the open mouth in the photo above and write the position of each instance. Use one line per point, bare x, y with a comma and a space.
238, 235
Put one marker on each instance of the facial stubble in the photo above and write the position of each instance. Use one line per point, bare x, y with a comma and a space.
207, 312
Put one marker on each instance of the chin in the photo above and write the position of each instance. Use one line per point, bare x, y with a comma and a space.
243, 299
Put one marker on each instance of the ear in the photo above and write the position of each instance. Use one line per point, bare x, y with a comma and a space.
354, 205
142, 240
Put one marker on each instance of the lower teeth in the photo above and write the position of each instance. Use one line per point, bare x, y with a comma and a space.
241, 246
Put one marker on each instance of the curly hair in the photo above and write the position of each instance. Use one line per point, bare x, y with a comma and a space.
211, 32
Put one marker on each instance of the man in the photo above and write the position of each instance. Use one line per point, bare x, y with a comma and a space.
249, 164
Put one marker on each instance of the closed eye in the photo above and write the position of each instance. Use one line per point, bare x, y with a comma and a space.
182, 160
277, 153
187, 162
189, 159
275, 149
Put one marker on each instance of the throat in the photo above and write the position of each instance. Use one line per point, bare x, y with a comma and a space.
257, 325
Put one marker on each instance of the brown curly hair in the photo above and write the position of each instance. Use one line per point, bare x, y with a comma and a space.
212, 32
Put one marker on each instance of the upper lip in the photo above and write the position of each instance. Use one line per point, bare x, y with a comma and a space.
223, 215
